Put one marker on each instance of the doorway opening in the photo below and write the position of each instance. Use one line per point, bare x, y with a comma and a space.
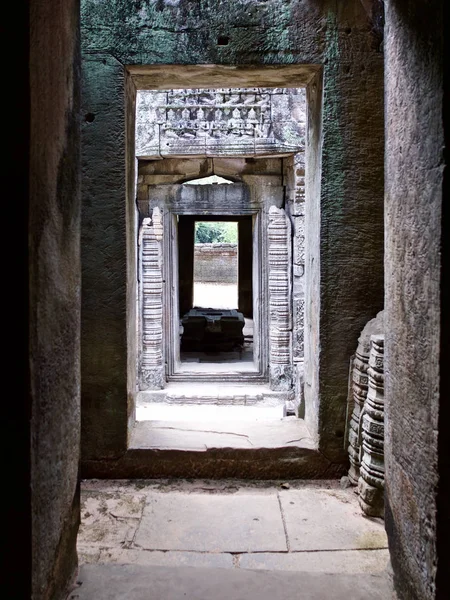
220, 191
216, 265
215, 299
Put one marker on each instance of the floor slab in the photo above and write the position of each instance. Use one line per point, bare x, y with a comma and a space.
212, 523
341, 561
131, 556
137, 582
329, 520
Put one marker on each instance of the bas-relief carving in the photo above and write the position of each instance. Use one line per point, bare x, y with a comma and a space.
152, 374
298, 327
239, 118
280, 317
299, 241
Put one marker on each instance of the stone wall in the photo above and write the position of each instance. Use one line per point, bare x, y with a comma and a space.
416, 478
54, 298
215, 263
334, 51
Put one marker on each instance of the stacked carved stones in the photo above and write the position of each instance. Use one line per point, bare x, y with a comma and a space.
359, 390
371, 480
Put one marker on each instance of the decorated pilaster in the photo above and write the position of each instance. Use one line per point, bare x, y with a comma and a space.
152, 375
280, 313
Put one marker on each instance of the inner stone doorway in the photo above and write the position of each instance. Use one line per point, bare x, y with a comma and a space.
215, 293
187, 142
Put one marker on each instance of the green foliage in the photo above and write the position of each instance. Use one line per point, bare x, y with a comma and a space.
209, 232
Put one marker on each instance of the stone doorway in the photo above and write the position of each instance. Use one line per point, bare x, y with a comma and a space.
257, 342
215, 295
317, 263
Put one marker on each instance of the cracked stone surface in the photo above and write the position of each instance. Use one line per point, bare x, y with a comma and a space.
188, 435
329, 520
212, 523
309, 526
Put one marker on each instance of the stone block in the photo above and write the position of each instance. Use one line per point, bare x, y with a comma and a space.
236, 523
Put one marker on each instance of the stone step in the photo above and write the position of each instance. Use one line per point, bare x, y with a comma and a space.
199, 413
139, 582
223, 394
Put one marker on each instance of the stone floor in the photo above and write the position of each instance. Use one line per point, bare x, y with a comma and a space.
154, 529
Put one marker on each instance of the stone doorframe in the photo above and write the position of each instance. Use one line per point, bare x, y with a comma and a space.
159, 356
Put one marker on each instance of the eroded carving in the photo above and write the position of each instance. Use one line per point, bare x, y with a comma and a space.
359, 381
359, 390
371, 480
239, 117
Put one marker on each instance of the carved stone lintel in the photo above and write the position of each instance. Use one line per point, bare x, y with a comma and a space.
241, 119
152, 358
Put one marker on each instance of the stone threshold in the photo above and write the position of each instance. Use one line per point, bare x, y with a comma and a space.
288, 432
211, 375
138, 582
218, 450
199, 413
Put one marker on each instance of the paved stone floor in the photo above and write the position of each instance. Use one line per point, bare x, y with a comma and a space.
312, 526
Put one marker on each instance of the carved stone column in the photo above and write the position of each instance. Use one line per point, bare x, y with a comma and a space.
152, 372
371, 481
280, 314
358, 392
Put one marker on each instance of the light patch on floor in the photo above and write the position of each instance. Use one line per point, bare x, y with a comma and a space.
215, 295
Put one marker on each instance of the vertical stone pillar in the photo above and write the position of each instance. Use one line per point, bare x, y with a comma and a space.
371, 481
280, 317
152, 375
